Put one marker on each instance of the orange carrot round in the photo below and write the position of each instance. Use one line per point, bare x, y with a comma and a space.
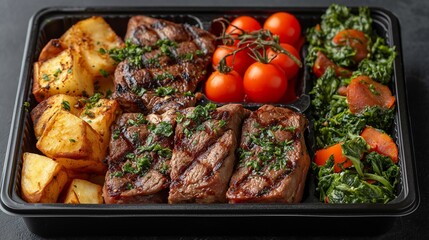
380, 142
364, 92
321, 157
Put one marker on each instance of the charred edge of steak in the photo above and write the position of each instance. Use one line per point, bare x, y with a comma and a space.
139, 157
178, 59
271, 150
203, 155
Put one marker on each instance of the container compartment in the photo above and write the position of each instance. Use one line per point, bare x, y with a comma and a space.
53, 22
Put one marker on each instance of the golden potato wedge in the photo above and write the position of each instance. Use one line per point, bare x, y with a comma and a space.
46, 110
67, 136
100, 115
51, 49
64, 73
93, 37
42, 179
83, 192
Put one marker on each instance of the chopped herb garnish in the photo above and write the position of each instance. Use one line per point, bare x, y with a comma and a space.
72, 140
128, 168
132, 52
222, 123
152, 62
273, 154
103, 73
163, 128
373, 90
165, 46
163, 76
187, 132
116, 133
143, 163
141, 119
69, 71
164, 169
199, 53
116, 174
102, 51
57, 72
187, 56
129, 186
165, 91
66, 105
26, 106
139, 91
189, 94
89, 113
130, 155
197, 117
161, 151
179, 117
45, 77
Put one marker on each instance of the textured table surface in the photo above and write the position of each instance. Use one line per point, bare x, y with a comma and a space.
413, 16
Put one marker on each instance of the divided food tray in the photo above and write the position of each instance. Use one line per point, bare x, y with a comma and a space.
49, 218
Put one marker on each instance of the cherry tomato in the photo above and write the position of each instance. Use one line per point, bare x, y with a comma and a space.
285, 25
264, 83
224, 87
239, 62
284, 62
246, 23
355, 39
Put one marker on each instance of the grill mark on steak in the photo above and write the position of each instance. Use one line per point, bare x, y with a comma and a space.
138, 162
200, 172
198, 158
187, 73
261, 177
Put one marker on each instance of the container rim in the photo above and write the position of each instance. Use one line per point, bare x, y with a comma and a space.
11, 206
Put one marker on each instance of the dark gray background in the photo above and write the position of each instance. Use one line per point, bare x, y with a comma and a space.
413, 16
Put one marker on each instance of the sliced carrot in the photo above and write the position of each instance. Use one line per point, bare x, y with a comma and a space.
323, 62
340, 161
380, 142
355, 39
364, 92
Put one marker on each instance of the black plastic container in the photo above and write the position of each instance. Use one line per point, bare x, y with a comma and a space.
52, 219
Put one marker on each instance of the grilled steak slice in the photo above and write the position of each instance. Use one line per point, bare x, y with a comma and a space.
139, 158
204, 153
273, 158
172, 60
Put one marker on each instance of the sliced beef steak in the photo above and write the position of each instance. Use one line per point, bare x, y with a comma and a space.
170, 61
273, 158
139, 158
204, 153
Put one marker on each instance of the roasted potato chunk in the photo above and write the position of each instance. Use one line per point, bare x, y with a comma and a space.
100, 116
93, 37
64, 73
46, 110
42, 179
51, 49
83, 192
69, 137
